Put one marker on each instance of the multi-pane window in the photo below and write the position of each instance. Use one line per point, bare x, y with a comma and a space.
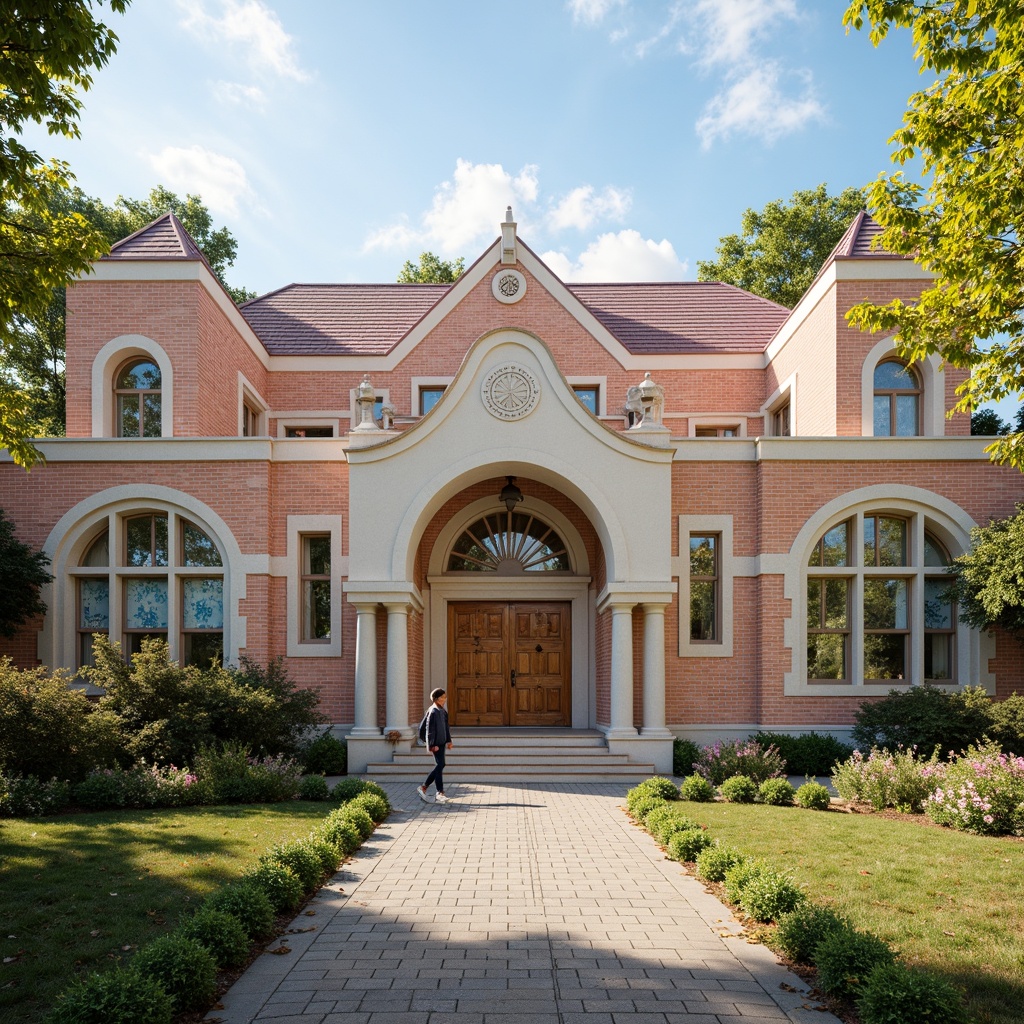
589, 395
897, 400
939, 615
705, 578
316, 588
138, 399
250, 420
780, 421
429, 397
828, 607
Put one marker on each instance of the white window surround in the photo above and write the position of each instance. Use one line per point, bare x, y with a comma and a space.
248, 395
383, 395
933, 391
601, 383
105, 365
949, 524
423, 382
298, 527
732, 420
296, 421
728, 568
785, 392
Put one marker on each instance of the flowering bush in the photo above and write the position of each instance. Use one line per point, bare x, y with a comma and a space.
982, 791
883, 779
236, 778
141, 786
724, 759
29, 797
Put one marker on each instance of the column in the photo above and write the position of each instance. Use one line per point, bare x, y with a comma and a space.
366, 671
654, 671
397, 710
622, 671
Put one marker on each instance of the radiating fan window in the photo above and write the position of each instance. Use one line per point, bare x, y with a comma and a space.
509, 543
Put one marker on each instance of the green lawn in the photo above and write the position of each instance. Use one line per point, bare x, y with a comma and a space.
82, 891
946, 900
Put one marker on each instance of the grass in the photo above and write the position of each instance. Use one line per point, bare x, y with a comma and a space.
81, 892
946, 900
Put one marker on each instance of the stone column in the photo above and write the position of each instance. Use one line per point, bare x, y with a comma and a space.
366, 671
397, 711
654, 671
622, 671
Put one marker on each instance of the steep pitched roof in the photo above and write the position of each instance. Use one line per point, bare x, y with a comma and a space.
162, 239
856, 243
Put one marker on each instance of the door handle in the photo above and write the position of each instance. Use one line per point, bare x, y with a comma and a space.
513, 673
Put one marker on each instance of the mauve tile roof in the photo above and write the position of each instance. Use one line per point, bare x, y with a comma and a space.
163, 239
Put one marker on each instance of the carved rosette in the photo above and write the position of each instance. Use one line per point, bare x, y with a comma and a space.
510, 392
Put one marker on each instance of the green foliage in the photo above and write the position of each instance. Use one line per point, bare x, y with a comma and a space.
282, 885
882, 779
801, 930
894, 994
714, 861
359, 818
140, 786
302, 859
326, 755
220, 934
641, 804
696, 789
738, 876
814, 796
328, 853
339, 832
777, 792
184, 968
808, 754
249, 904
664, 819
376, 790
22, 573
988, 580
687, 844
659, 786
988, 423
120, 996
982, 792
348, 789
1008, 723
767, 895
376, 806
924, 717
233, 777
782, 247
845, 960
314, 787
960, 215
684, 757
29, 797
721, 760
739, 790
431, 269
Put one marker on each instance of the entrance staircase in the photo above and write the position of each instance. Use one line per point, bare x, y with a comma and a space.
519, 755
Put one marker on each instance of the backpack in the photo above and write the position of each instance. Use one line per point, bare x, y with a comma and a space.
423, 727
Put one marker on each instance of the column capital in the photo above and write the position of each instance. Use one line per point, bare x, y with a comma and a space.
386, 592
636, 592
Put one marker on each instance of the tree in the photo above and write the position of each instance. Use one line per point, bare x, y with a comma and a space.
963, 223
431, 269
988, 423
988, 581
783, 246
22, 573
48, 49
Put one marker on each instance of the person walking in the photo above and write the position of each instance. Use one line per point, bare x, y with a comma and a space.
435, 733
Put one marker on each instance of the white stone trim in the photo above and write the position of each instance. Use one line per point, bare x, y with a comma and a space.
785, 392
117, 351
298, 527
248, 393
727, 569
933, 391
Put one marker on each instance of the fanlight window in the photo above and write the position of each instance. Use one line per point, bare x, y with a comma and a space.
509, 543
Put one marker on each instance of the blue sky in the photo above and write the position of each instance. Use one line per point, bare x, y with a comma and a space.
338, 139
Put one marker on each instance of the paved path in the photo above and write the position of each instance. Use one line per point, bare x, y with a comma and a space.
517, 904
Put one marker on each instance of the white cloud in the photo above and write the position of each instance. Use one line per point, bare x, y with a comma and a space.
251, 26
729, 29
626, 256
219, 179
583, 206
755, 105
240, 95
591, 12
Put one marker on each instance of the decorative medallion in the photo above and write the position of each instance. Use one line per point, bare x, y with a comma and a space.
508, 286
510, 392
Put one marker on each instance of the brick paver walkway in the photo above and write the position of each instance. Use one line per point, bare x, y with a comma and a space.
516, 904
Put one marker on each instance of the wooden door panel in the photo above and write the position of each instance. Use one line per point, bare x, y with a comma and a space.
476, 657
541, 648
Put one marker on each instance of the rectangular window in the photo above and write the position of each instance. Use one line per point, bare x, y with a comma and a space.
733, 431
885, 541
828, 628
588, 394
250, 421
202, 621
93, 615
316, 588
429, 397
145, 611
939, 631
704, 588
780, 421
309, 432
886, 628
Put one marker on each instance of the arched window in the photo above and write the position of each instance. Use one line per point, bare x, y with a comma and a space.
897, 409
138, 406
508, 543
163, 574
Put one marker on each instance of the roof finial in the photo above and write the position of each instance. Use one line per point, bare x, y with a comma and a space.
508, 239
508, 215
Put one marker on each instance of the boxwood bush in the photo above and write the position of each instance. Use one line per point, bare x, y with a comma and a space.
696, 789
282, 886
740, 789
767, 895
802, 930
814, 796
184, 968
845, 960
640, 805
314, 787
809, 754
302, 860
666, 818
685, 846
685, 754
358, 817
659, 786
249, 904
347, 789
777, 792
714, 861
219, 933
120, 996
894, 994
341, 833
326, 755
375, 806
737, 877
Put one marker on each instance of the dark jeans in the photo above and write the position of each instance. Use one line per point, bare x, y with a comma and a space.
437, 775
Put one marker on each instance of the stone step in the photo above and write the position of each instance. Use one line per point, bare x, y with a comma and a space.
628, 774
512, 755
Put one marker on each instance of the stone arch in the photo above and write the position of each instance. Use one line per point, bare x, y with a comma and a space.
107, 360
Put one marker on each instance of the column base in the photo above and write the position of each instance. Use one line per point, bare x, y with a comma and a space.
364, 732
645, 750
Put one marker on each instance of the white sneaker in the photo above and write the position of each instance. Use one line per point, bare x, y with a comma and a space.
440, 799
422, 790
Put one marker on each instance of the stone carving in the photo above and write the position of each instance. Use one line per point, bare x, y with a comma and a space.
510, 392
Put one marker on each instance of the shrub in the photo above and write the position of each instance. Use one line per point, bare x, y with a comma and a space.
696, 789
342, 834
740, 789
358, 817
926, 718
233, 777
737, 877
777, 792
184, 968
846, 958
141, 786
814, 796
327, 852
372, 787
348, 789
326, 755
376, 807
640, 805
282, 886
894, 994
714, 861
219, 933
982, 792
249, 904
739, 757
29, 797
1008, 723
120, 996
684, 756
882, 779
687, 845
767, 895
808, 754
274, 778
659, 786
302, 860
666, 819
314, 787
801, 930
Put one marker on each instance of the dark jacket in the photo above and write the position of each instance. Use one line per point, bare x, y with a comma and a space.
437, 727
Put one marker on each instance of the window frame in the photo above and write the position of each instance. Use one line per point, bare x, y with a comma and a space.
715, 579
429, 389
728, 568
892, 394
291, 568
141, 393
308, 583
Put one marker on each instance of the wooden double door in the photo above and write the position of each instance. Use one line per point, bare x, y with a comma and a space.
509, 663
